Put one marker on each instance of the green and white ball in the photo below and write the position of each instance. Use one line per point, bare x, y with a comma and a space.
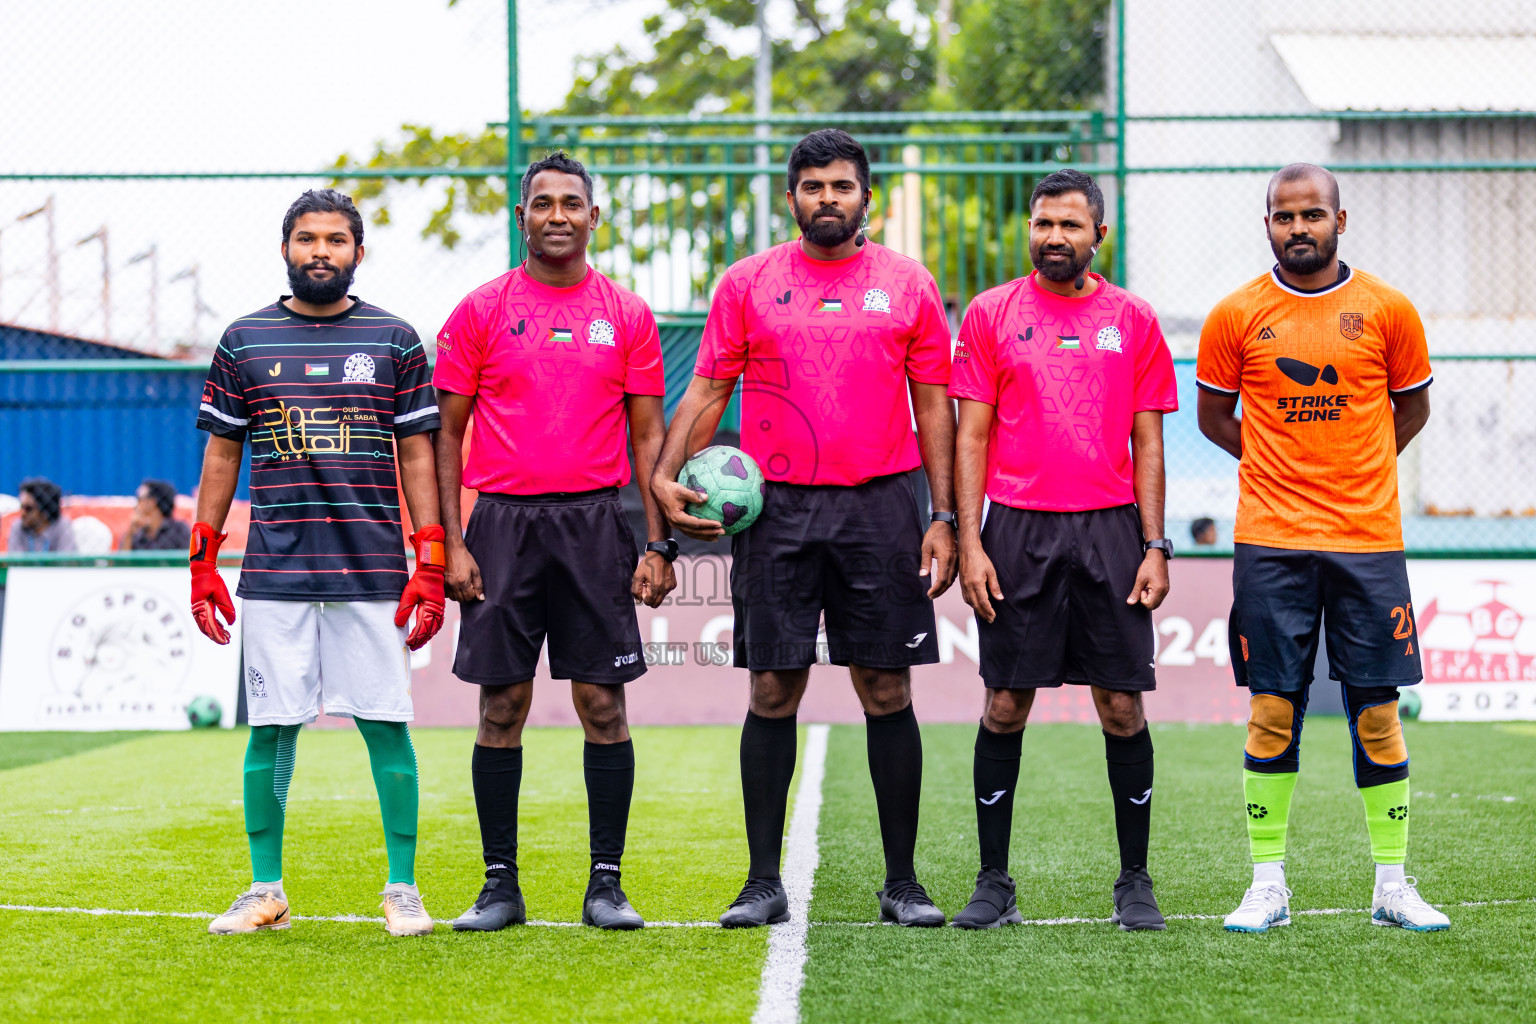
732, 482
204, 712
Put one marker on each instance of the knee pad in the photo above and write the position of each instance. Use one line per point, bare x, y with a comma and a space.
1378, 731
1274, 729
1381, 755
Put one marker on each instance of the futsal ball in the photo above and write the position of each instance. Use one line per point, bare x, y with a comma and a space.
732, 483
204, 712
1409, 704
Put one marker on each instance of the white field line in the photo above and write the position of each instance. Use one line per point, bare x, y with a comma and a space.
204, 915
778, 994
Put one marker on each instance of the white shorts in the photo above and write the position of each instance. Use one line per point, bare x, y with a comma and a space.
348, 656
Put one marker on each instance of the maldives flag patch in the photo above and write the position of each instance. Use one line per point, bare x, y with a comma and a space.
830, 306
1067, 341
317, 369
560, 334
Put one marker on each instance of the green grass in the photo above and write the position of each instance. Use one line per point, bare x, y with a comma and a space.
1467, 843
19, 749
154, 823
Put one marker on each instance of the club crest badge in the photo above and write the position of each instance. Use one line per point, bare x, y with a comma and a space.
1351, 325
358, 369
600, 332
1108, 339
876, 301
258, 685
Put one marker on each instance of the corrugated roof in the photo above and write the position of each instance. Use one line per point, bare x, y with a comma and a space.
1418, 72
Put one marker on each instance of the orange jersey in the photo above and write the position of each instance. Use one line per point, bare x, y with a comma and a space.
1316, 372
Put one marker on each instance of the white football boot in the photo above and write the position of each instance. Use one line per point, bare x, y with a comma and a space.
1399, 904
1263, 907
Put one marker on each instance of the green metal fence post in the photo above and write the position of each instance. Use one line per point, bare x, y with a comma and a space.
514, 135
1120, 163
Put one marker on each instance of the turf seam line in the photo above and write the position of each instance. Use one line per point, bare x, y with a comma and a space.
203, 915
778, 994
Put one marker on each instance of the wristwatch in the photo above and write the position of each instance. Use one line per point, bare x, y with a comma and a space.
944, 517
665, 548
1163, 544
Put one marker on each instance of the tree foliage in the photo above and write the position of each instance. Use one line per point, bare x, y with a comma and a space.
999, 55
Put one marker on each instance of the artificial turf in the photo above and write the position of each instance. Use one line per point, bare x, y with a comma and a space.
1474, 822
155, 824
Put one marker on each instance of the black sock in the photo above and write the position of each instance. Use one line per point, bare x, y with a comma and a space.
498, 774
896, 768
767, 766
1130, 780
610, 772
995, 773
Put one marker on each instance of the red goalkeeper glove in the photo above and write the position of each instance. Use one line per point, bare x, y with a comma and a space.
424, 592
209, 595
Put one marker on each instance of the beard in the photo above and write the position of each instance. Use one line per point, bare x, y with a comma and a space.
1074, 267
829, 234
320, 293
1304, 258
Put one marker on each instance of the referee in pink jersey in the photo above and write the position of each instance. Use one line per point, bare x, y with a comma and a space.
556, 362
1063, 380
831, 334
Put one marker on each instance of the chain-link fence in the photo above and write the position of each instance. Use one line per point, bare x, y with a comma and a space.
1182, 110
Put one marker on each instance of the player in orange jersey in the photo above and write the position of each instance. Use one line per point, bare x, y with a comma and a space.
1333, 372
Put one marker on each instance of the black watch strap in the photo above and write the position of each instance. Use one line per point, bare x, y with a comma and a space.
1163, 544
944, 517
665, 548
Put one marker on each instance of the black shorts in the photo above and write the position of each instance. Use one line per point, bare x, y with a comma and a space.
555, 564
1063, 617
1279, 596
853, 552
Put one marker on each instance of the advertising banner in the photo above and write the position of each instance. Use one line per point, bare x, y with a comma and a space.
1476, 626
113, 648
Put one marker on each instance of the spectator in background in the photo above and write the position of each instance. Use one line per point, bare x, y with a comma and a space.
152, 527
1204, 531
41, 526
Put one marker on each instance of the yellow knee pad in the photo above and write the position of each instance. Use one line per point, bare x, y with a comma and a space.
1271, 725
1381, 734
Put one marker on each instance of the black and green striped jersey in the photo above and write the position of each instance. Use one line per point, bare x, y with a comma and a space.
322, 401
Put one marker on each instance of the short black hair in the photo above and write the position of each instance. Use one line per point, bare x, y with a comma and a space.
1296, 172
1200, 525
47, 495
556, 161
164, 494
324, 200
821, 148
1065, 181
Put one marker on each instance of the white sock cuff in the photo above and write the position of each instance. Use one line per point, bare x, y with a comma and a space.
1269, 872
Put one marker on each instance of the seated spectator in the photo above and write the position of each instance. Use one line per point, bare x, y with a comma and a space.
1204, 531
152, 527
41, 526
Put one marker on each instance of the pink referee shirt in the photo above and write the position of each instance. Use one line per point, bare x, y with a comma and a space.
1067, 376
548, 369
827, 347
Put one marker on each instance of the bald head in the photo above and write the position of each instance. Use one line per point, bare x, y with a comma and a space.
1321, 177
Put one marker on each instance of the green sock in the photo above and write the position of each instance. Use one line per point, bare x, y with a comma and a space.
1386, 819
394, 775
268, 770
1269, 812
